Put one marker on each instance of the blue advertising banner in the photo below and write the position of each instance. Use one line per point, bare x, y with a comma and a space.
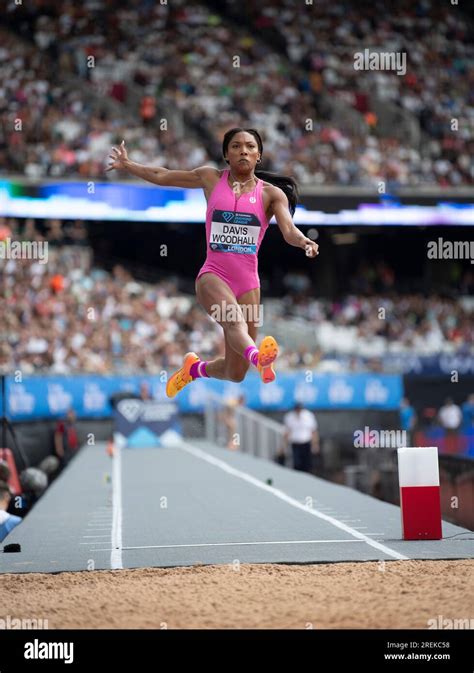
413, 364
146, 423
131, 202
325, 391
89, 395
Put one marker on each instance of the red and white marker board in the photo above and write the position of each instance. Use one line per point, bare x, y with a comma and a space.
420, 501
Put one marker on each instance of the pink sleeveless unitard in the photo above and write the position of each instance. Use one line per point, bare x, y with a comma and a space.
234, 230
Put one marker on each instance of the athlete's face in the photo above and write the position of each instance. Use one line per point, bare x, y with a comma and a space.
242, 152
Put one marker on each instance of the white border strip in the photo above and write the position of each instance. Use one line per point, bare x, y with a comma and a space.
234, 544
223, 544
116, 540
198, 453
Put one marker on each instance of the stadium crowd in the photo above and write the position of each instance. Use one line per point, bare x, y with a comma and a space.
67, 316
215, 72
50, 129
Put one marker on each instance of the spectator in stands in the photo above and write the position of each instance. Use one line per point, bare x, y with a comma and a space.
408, 418
145, 394
4, 471
5, 475
76, 233
450, 415
303, 436
50, 466
55, 232
18, 505
34, 483
66, 442
468, 413
7, 521
450, 418
228, 418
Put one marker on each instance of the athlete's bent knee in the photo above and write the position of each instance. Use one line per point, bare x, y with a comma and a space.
233, 324
236, 376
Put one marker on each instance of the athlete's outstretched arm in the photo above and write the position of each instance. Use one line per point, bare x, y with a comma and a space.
159, 176
291, 234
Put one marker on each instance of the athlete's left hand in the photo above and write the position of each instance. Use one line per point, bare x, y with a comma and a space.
311, 248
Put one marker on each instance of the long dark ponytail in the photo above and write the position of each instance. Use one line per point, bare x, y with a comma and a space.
286, 183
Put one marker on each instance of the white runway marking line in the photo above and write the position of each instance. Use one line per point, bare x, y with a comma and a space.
225, 544
88, 536
198, 453
347, 520
102, 519
237, 544
116, 538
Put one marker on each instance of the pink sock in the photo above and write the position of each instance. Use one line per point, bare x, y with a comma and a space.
198, 369
251, 354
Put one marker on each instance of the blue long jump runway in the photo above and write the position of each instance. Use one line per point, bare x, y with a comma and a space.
200, 504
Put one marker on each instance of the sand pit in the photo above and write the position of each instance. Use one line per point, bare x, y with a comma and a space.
397, 594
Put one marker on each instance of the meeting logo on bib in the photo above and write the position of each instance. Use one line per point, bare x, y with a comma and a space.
240, 237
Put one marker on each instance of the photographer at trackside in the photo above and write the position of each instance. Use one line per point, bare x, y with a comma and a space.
7, 521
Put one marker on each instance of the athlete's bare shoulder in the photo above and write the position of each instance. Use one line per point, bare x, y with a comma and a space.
208, 172
271, 193
272, 190
208, 175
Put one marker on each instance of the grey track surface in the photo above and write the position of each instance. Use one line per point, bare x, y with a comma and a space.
178, 509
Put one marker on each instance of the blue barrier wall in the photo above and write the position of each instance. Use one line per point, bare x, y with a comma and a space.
89, 395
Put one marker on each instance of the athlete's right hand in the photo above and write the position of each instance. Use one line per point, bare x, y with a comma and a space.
118, 156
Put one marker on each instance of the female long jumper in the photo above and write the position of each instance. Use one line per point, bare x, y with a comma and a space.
240, 204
